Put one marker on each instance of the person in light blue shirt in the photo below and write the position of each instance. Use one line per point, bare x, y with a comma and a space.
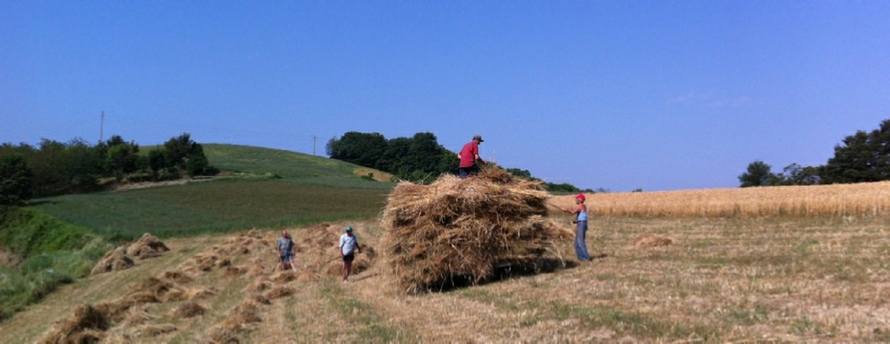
348, 247
580, 221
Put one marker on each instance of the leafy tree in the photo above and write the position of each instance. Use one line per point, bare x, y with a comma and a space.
157, 161
16, 180
197, 162
795, 174
562, 187
862, 157
121, 158
520, 173
358, 148
177, 150
758, 174
395, 158
424, 154
83, 166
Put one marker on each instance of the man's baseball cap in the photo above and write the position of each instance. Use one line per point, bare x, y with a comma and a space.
581, 197
478, 137
349, 228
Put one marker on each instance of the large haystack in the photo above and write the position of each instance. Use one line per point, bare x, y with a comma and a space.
458, 228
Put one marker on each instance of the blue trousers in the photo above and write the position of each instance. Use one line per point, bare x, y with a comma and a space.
580, 245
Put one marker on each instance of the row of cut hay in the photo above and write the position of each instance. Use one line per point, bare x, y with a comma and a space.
462, 228
127, 314
89, 323
838, 200
121, 258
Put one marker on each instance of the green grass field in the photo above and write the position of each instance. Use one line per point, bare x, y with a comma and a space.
310, 190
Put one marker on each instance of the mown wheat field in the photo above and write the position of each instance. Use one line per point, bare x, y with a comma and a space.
741, 274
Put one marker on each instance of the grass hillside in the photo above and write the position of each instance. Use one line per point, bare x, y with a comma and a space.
263, 188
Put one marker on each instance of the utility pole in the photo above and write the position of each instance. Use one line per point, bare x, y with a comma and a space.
101, 127
314, 138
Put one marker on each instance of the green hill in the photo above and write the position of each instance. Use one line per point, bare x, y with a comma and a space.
259, 188
59, 239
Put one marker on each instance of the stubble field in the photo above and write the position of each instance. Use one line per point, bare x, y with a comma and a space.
736, 279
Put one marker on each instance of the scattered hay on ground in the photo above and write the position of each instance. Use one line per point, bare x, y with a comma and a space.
221, 335
279, 292
258, 286
115, 311
462, 228
305, 276
187, 309
232, 271
649, 240
260, 300
137, 315
138, 297
178, 277
162, 290
283, 277
86, 325
200, 293
153, 330
114, 260
148, 246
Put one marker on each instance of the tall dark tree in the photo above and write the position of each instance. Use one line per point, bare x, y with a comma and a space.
16, 180
358, 148
758, 174
83, 166
157, 162
121, 157
424, 152
196, 162
395, 159
177, 150
861, 157
795, 174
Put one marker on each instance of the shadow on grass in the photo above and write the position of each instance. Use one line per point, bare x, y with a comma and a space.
505, 270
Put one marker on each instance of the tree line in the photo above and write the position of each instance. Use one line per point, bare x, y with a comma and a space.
861, 157
419, 158
54, 168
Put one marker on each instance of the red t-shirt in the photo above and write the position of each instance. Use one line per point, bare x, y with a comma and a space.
468, 154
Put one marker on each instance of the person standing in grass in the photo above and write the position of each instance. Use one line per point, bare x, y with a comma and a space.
469, 155
580, 223
348, 247
286, 251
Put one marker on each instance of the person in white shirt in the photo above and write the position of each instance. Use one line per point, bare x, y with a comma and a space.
348, 247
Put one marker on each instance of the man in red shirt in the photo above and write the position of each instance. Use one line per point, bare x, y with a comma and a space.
468, 157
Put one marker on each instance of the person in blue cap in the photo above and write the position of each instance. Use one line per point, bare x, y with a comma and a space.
348, 247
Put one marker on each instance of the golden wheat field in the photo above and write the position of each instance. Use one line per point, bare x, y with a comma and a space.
664, 275
840, 200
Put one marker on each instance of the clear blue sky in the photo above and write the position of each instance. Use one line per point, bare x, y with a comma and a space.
658, 95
